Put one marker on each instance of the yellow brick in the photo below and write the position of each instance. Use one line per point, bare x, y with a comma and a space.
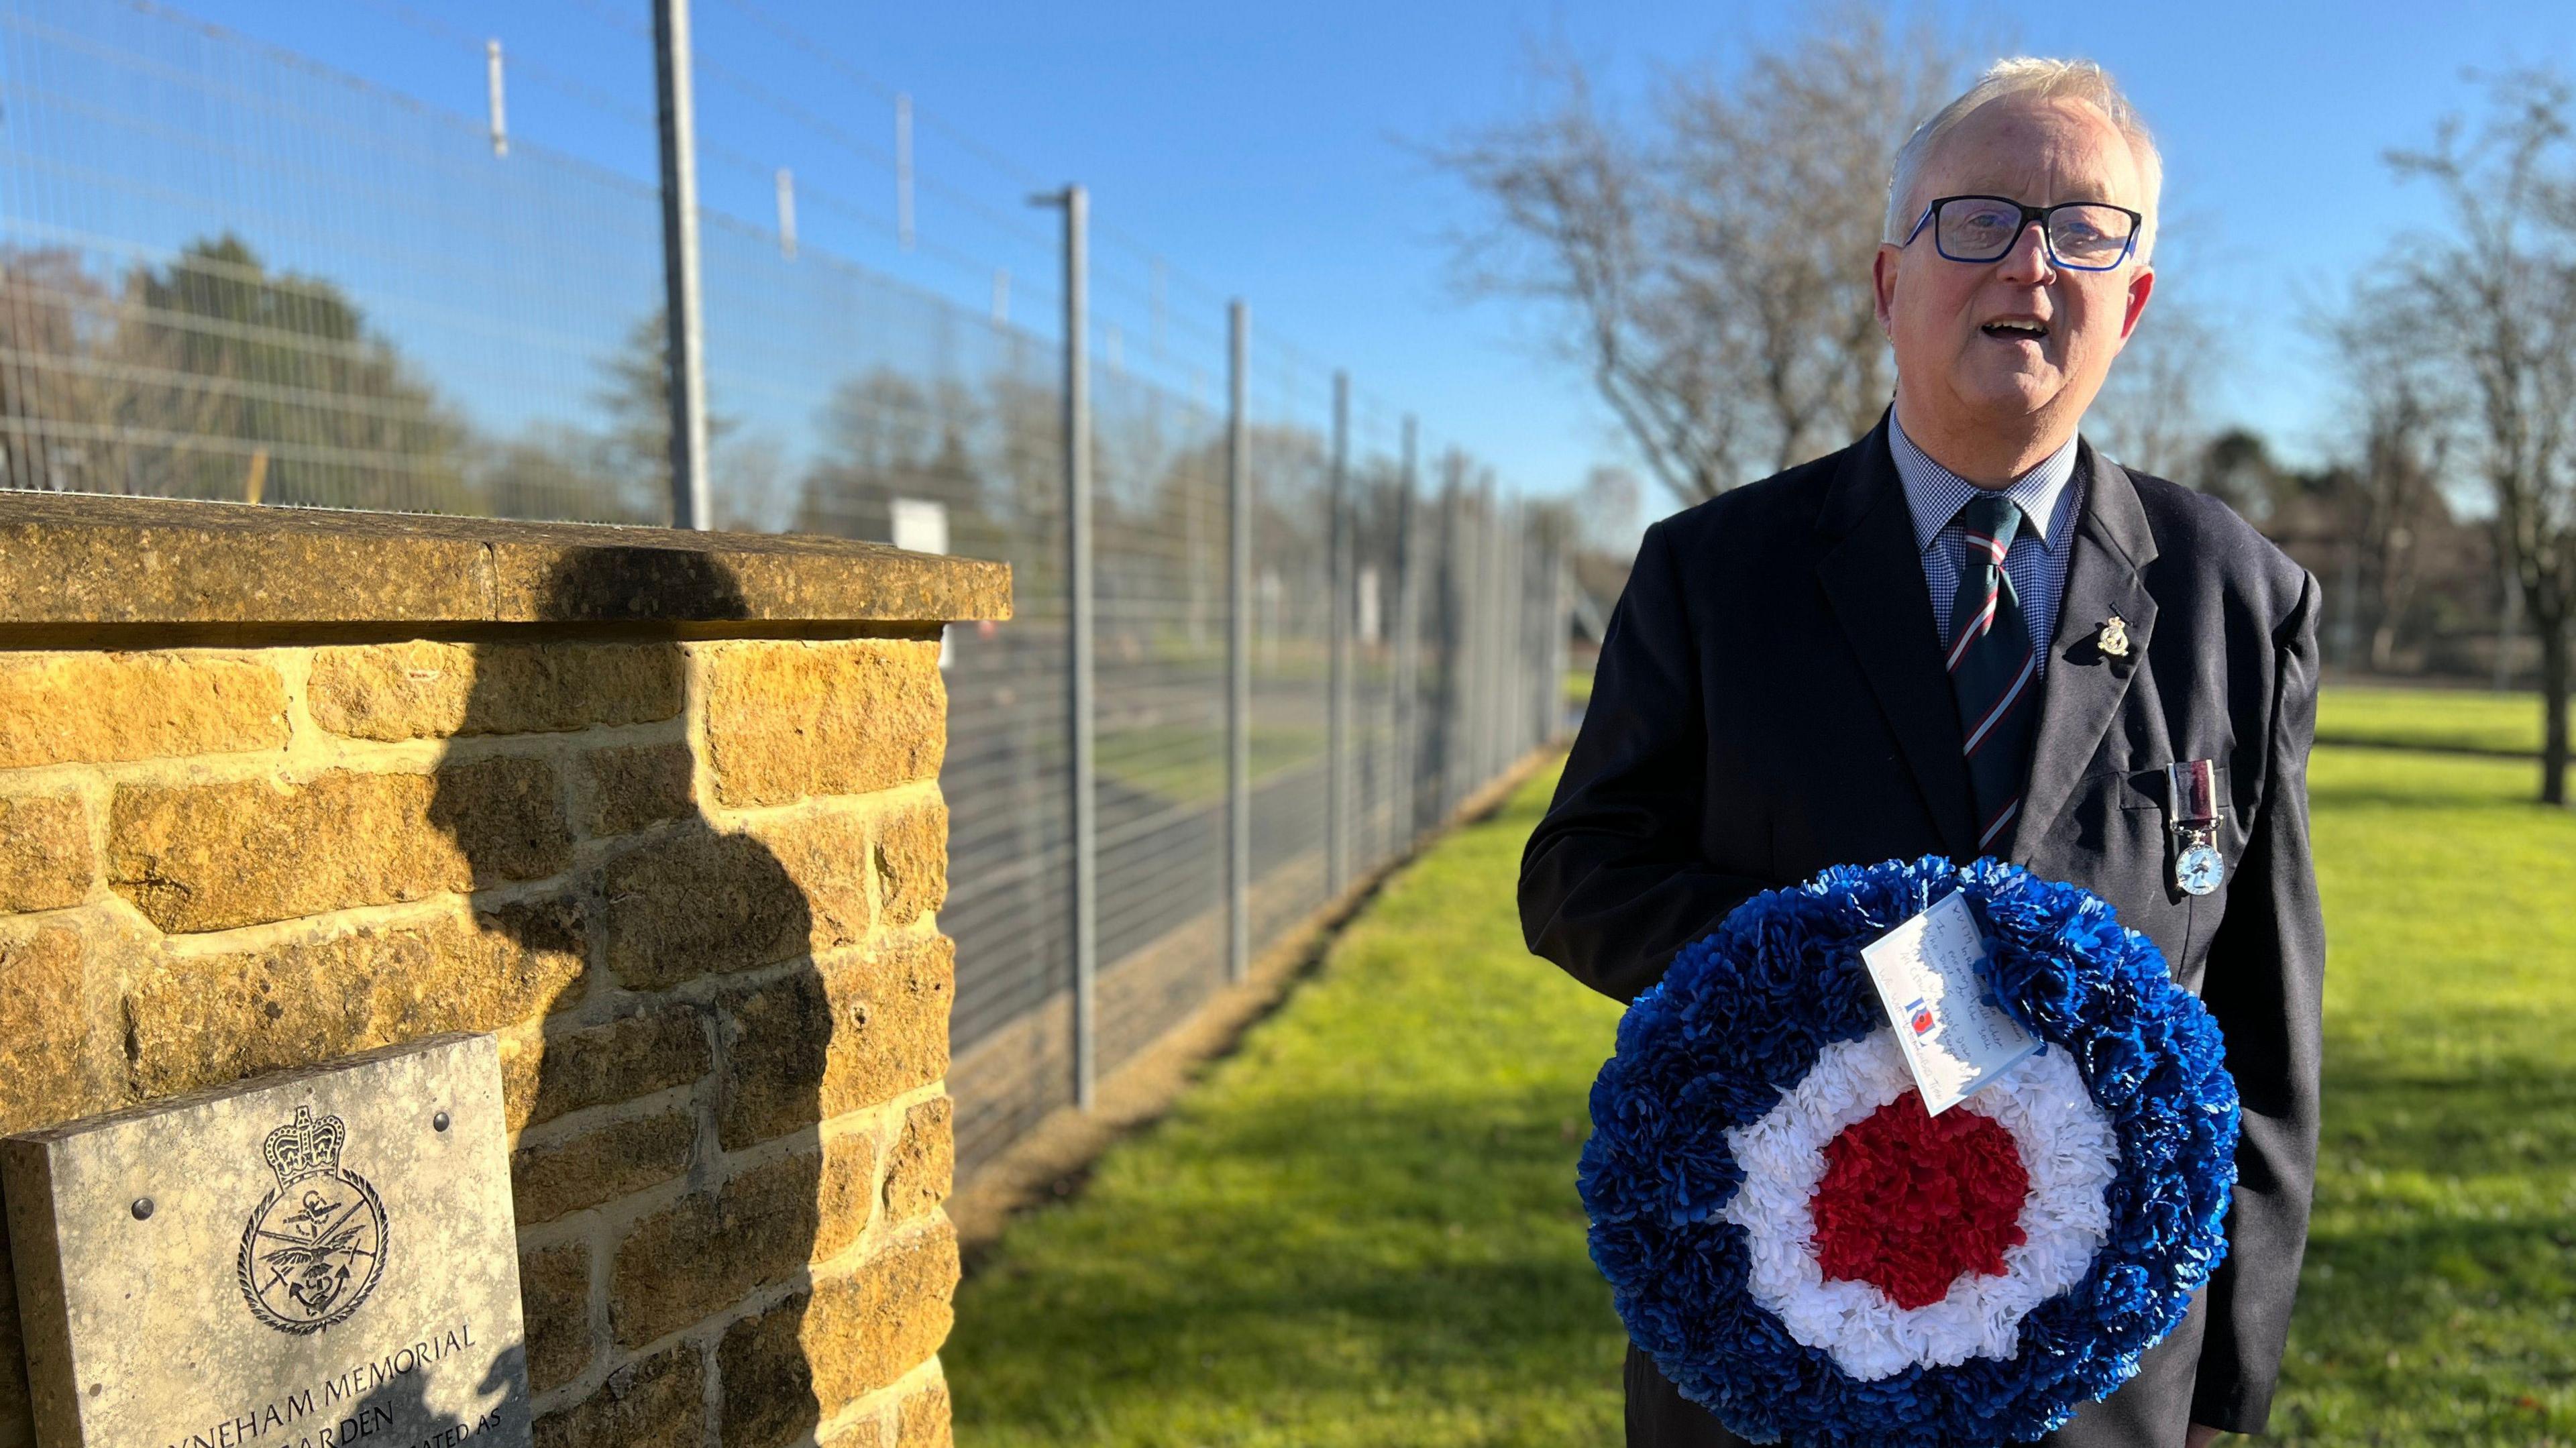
46, 861
844, 1194
203, 1020
198, 857
660, 1402
703, 1254
554, 1302
923, 1165
912, 860
851, 1335
922, 1420
818, 1043
825, 853
788, 719
618, 1061
420, 689
101, 707
633, 785
582, 1171
695, 901
54, 1038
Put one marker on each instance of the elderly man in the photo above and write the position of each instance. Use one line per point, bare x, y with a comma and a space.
1969, 634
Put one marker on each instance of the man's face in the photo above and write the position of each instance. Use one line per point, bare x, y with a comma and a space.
1953, 361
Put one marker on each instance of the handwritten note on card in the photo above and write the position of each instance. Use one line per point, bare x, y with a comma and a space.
1926, 971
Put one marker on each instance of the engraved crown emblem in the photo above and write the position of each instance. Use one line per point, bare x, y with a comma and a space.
305, 1147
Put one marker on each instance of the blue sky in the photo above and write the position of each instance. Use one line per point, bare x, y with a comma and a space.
1270, 151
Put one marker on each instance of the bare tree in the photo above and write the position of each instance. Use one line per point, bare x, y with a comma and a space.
2408, 409
1710, 270
2495, 288
2148, 415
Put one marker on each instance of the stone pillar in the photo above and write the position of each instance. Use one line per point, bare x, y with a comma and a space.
661, 809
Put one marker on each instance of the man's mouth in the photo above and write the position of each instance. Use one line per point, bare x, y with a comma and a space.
2016, 329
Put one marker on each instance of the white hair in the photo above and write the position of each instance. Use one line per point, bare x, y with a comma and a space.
2025, 77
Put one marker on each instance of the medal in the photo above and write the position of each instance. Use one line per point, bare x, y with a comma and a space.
2191, 791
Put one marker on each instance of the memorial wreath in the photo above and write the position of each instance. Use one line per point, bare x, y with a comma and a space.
1806, 1252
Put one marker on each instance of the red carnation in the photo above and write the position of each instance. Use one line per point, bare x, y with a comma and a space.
1909, 1201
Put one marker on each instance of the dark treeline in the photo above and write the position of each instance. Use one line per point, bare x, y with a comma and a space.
2412, 587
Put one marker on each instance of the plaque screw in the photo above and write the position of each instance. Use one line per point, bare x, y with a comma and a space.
438, 1122
859, 1014
142, 1209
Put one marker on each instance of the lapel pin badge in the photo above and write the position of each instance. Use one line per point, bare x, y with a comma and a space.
2113, 640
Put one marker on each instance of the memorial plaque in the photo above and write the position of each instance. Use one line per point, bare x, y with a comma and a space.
319, 1259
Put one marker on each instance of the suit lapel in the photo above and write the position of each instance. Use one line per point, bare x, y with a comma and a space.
1872, 574
2084, 686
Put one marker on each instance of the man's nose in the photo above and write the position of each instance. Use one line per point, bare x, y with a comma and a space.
2028, 261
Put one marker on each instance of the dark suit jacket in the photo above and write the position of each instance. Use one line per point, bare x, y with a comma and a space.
1770, 701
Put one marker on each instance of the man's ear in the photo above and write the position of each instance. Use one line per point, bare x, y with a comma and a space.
2142, 284
1882, 278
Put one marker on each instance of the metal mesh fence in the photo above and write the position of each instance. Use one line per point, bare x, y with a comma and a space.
229, 273
191, 223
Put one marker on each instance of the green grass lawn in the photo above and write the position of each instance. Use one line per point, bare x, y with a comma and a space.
2431, 718
1362, 1229
2439, 1303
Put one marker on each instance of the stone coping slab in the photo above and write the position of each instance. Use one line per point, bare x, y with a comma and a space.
73, 560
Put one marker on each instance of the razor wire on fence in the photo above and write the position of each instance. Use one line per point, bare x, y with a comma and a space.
227, 272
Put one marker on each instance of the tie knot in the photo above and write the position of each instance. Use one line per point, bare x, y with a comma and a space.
1991, 515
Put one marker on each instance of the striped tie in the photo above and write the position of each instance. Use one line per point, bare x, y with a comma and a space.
1993, 669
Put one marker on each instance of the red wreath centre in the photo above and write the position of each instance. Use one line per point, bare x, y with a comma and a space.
1910, 1201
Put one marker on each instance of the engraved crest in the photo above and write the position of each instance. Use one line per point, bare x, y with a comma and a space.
315, 1246
2113, 641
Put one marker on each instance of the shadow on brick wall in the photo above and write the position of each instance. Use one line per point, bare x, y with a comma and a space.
696, 970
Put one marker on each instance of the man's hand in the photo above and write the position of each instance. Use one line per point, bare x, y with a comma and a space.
2202, 1435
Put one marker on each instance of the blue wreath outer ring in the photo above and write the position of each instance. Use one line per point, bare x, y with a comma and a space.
1740, 1018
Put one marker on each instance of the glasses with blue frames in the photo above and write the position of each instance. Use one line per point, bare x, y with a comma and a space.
2080, 235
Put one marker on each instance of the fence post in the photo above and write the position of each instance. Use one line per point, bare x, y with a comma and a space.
1536, 599
1238, 646
1078, 618
1527, 598
496, 102
683, 341
1509, 678
1452, 640
1480, 582
1490, 574
1337, 731
1559, 648
1480, 623
1534, 648
903, 169
1497, 668
1408, 651
1513, 615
